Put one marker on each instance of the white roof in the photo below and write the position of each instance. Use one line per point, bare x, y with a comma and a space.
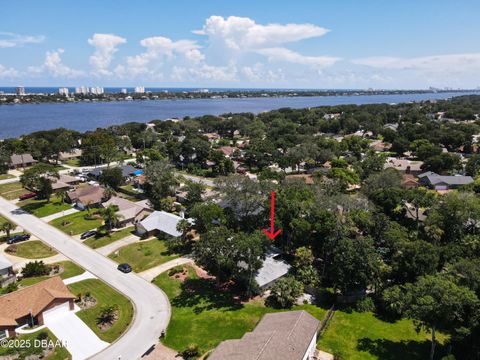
271, 270
163, 221
4, 262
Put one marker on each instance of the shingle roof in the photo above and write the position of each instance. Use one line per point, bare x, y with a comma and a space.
278, 336
271, 270
87, 194
32, 299
163, 221
126, 209
127, 170
436, 179
16, 159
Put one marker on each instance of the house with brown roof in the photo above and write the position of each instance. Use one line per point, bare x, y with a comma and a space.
227, 150
87, 196
290, 335
21, 161
68, 155
30, 304
404, 165
129, 212
64, 182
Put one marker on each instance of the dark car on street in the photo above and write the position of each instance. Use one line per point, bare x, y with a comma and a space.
125, 268
18, 238
88, 234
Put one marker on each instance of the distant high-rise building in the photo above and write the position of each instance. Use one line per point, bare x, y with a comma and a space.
81, 90
123, 91
96, 90
140, 89
63, 91
20, 90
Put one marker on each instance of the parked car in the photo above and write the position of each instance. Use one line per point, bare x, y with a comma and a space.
88, 234
18, 238
125, 268
27, 196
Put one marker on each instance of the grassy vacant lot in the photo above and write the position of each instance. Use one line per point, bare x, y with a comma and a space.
144, 255
34, 249
12, 191
59, 353
76, 223
363, 336
105, 238
70, 269
41, 208
105, 296
203, 315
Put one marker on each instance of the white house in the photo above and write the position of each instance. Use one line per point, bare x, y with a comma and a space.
160, 221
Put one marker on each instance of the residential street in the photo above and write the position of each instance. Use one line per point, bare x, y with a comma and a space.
152, 309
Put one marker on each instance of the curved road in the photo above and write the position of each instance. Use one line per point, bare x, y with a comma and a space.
152, 309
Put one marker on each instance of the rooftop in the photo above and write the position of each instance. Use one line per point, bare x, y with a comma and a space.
32, 299
278, 336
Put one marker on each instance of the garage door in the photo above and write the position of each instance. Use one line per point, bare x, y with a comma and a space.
59, 310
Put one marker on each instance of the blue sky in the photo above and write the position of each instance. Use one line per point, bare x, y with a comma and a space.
211, 43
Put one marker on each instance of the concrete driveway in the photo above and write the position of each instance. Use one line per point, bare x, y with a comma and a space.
152, 308
79, 339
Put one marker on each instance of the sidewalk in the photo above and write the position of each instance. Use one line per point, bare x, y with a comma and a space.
110, 248
59, 214
152, 273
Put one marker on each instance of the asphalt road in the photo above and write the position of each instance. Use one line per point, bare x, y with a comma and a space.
152, 308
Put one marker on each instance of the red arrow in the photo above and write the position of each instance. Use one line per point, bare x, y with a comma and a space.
271, 234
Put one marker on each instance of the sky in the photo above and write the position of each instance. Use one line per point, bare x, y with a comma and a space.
321, 44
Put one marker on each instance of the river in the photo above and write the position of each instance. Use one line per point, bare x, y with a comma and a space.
16, 120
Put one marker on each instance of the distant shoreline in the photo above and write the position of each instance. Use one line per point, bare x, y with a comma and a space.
179, 94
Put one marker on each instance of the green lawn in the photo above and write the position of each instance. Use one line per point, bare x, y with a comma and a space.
144, 255
73, 162
203, 315
363, 336
60, 353
12, 191
76, 223
6, 176
70, 269
105, 238
34, 249
104, 295
41, 208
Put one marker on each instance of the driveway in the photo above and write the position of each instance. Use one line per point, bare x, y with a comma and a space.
79, 339
152, 309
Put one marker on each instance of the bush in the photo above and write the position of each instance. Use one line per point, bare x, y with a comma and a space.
43, 335
285, 291
365, 305
36, 268
175, 270
191, 352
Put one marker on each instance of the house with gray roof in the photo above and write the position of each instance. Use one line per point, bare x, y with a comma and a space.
160, 222
290, 335
443, 182
21, 161
272, 269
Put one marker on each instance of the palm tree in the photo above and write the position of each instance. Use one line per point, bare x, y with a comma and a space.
110, 216
8, 226
62, 194
183, 226
108, 193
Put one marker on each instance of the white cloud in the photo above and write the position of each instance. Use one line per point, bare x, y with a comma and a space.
205, 72
54, 66
159, 48
258, 73
8, 72
9, 39
241, 33
283, 54
440, 63
105, 48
